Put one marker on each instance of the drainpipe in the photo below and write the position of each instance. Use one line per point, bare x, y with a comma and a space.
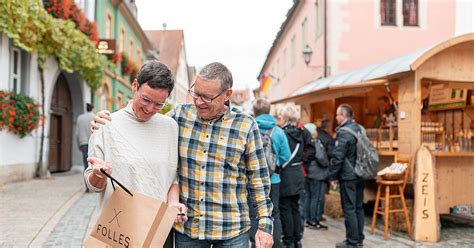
325, 40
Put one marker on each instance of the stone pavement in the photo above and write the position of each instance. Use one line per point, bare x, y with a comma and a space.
30, 210
57, 213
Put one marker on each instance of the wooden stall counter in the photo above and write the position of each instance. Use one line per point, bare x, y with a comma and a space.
455, 172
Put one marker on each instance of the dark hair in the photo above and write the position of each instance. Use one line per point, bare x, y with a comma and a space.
325, 124
261, 106
346, 110
89, 107
384, 98
156, 75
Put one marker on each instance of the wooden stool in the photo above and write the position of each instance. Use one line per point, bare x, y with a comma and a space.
393, 189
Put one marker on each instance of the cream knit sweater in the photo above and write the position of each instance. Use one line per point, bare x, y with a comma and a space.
143, 155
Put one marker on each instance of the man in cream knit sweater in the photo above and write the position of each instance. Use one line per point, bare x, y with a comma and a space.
140, 147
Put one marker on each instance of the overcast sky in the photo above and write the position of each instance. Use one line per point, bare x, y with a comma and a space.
237, 33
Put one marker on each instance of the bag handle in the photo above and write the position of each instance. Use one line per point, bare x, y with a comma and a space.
115, 180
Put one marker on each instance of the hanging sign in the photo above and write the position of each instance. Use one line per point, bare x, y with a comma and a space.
442, 96
106, 47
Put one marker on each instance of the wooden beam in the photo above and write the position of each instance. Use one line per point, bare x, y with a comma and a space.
331, 94
442, 46
362, 84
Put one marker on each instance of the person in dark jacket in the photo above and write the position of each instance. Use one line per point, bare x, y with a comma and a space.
315, 182
325, 137
351, 186
292, 177
267, 123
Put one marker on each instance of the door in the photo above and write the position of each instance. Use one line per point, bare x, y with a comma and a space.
60, 131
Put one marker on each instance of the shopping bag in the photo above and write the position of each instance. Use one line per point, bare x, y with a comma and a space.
132, 219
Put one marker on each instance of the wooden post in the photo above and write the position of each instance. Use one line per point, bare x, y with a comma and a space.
426, 225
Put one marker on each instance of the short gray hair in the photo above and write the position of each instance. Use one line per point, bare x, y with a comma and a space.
346, 110
217, 71
291, 114
261, 106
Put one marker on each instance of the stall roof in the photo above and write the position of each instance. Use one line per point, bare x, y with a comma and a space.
357, 76
375, 73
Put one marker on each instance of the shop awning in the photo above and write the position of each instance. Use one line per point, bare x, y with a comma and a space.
375, 74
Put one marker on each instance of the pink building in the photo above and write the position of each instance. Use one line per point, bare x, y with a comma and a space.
345, 35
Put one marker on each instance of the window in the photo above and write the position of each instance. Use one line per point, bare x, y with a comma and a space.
139, 57
120, 100
130, 52
88, 6
303, 33
319, 18
388, 12
293, 51
121, 39
284, 62
410, 12
15, 69
108, 26
105, 104
278, 69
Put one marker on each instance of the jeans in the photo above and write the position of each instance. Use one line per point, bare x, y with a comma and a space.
183, 241
84, 150
314, 202
352, 200
275, 198
290, 219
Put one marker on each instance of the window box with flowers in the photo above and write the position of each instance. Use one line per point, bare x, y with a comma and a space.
19, 114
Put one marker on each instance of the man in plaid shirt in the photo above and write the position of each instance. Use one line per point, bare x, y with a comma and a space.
220, 153
221, 160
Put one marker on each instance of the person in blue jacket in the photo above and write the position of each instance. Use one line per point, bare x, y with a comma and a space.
267, 124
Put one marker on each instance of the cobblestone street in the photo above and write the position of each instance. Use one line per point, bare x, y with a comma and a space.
57, 212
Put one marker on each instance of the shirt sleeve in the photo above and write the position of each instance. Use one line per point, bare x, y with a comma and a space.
96, 149
259, 179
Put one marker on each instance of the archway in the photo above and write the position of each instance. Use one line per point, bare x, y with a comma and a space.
60, 130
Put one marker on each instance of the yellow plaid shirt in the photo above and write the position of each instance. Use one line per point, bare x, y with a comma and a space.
220, 162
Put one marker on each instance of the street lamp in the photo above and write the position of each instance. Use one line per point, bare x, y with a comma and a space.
307, 52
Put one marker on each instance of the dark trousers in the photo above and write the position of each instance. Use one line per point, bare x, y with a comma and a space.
314, 202
352, 200
275, 198
183, 241
290, 219
84, 150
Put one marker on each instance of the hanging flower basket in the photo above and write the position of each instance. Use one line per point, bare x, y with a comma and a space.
19, 114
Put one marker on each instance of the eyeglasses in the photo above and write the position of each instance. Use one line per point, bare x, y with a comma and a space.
204, 98
145, 101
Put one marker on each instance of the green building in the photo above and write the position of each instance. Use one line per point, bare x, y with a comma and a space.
117, 23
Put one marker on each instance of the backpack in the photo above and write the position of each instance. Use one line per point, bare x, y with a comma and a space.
268, 150
321, 155
367, 160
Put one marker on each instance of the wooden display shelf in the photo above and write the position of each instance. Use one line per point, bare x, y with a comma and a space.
453, 154
387, 153
438, 132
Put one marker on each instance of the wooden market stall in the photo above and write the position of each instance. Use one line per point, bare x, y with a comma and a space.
433, 90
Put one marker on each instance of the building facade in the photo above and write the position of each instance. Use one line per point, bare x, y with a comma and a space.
172, 52
344, 35
65, 95
117, 23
